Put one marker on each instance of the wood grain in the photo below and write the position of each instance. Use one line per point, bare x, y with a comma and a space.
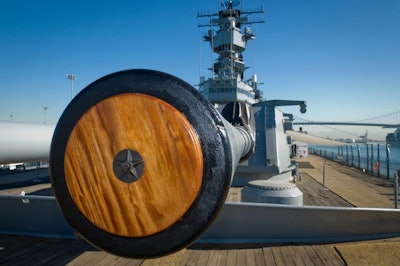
171, 152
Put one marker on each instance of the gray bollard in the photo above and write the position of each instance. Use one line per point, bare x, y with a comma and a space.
396, 190
323, 176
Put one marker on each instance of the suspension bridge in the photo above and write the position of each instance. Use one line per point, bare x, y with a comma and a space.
387, 121
391, 120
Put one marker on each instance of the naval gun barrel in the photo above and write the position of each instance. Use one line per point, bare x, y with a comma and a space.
23, 142
141, 163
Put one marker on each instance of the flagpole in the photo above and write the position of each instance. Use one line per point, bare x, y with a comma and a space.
72, 78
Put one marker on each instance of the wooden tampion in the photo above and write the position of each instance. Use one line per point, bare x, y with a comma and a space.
140, 163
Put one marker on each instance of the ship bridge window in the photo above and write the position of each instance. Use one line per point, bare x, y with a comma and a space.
221, 90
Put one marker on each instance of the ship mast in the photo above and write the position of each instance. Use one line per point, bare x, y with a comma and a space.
228, 40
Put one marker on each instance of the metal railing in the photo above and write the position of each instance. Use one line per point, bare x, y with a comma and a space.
375, 159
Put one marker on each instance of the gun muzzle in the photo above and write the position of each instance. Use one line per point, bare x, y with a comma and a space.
141, 163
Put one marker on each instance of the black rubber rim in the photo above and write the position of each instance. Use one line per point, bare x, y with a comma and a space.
217, 164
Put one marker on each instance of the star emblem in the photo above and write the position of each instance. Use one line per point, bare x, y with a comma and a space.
128, 166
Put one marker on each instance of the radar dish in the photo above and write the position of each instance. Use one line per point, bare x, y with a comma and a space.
229, 3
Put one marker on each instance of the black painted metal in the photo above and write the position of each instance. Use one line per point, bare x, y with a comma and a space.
217, 160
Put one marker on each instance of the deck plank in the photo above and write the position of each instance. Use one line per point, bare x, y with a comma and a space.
386, 253
18, 251
172, 259
328, 255
213, 257
217, 257
350, 183
250, 258
223, 257
259, 257
241, 257
286, 254
34, 255
186, 257
235, 194
231, 259
11, 250
191, 257
315, 195
269, 258
278, 256
297, 256
203, 258
306, 259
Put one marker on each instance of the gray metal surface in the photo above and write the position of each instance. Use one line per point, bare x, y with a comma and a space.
237, 223
23, 142
266, 191
270, 223
37, 216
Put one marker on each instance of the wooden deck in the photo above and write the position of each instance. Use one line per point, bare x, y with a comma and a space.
33, 251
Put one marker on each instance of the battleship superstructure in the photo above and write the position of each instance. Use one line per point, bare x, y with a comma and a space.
240, 101
227, 83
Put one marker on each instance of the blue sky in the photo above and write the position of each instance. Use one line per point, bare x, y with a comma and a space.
341, 56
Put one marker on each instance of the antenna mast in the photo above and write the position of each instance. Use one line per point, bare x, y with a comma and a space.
229, 40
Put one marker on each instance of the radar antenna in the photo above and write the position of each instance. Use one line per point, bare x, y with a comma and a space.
229, 3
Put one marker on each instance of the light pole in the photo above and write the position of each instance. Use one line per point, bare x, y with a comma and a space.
45, 110
72, 78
